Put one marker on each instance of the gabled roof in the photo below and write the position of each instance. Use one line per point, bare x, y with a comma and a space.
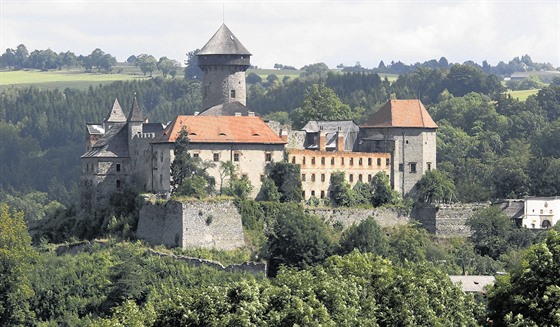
224, 42
113, 144
401, 113
135, 114
226, 109
116, 115
220, 129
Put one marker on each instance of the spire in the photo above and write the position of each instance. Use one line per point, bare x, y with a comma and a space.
116, 115
224, 42
135, 113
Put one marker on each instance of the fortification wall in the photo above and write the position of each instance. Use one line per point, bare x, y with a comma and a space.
347, 216
446, 220
195, 224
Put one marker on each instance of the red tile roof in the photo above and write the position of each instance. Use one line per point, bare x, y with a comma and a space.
220, 129
401, 113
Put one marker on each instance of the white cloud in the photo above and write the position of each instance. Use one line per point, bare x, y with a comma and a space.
293, 32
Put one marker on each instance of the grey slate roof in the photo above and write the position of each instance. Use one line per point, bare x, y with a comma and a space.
347, 128
226, 109
111, 145
116, 115
95, 129
224, 42
135, 112
152, 127
313, 126
473, 283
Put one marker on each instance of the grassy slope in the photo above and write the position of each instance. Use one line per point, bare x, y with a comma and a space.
522, 94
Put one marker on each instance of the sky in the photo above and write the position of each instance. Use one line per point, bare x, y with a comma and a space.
294, 33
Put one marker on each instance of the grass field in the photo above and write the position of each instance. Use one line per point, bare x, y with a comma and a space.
522, 94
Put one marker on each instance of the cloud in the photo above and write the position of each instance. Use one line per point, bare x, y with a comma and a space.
293, 32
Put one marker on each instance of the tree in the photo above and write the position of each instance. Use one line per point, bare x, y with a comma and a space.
435, 186
340, 192
490, 231
270, 191
192, 71
530, 294
382, 192
287, 178
318, 70
16, 258
549, 100
239, 187
320, 103
367, 236
168, 66
297, 240
147, 63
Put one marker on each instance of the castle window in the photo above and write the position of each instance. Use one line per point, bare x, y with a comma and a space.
118, 167
236, 157
413, 167
293, 159
262, 178
429, 165
351, 178
322, 160
196, 155
303, 194
312, 177
369, 161
312, 193
360, 161
369, 178
322, 177
322, 194
303, 159
268, 157
387, 162
313, 160
216, 157
118, 184
351, 161
332, 161
401, 167
232, 92
303, 177
360, 177
379, 161
342, 161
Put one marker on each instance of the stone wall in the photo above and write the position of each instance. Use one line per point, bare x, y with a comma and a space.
194, 224
347, 216
446, 220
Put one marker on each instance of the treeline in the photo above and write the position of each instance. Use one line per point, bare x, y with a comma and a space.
523, 64
20, 58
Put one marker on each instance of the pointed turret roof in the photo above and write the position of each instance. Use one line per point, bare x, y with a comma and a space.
224, 42
401, 113
116, 115
135, 113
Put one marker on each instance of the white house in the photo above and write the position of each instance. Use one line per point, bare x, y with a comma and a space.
541, 212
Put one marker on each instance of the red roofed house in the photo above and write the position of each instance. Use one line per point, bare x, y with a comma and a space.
244, 140
405, 129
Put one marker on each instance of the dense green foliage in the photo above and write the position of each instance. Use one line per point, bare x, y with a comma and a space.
287, 179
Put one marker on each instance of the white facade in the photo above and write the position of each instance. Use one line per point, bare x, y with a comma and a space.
541, 213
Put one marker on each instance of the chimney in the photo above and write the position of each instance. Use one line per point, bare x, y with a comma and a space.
237, 114
283, 135
322, 140
339, 141
251, 113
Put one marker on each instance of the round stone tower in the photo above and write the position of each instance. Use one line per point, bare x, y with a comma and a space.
224, 61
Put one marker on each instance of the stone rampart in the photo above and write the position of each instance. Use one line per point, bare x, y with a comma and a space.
446, 220
348, 216
254, 268
191, 224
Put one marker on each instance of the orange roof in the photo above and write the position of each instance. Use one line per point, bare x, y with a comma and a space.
220, 129
401, 113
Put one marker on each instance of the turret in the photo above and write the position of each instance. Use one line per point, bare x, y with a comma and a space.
116, 115
224, 61
135, 120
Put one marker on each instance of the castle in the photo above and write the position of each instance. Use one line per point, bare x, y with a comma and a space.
399, 139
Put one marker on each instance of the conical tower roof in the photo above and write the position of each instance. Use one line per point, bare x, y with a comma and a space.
223, 43
135, 113
401, 113
116, 115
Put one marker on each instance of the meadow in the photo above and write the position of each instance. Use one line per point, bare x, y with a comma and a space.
522, 95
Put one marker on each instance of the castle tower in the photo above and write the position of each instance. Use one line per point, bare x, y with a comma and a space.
224, 61
135, 120
116, 115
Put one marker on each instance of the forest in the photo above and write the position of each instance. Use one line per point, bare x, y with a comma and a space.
490, 146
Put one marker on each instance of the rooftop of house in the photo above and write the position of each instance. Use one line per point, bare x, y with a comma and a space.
345, 126
116, 115
401, 113
223, 42
220, 129
113, 144
473, 283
